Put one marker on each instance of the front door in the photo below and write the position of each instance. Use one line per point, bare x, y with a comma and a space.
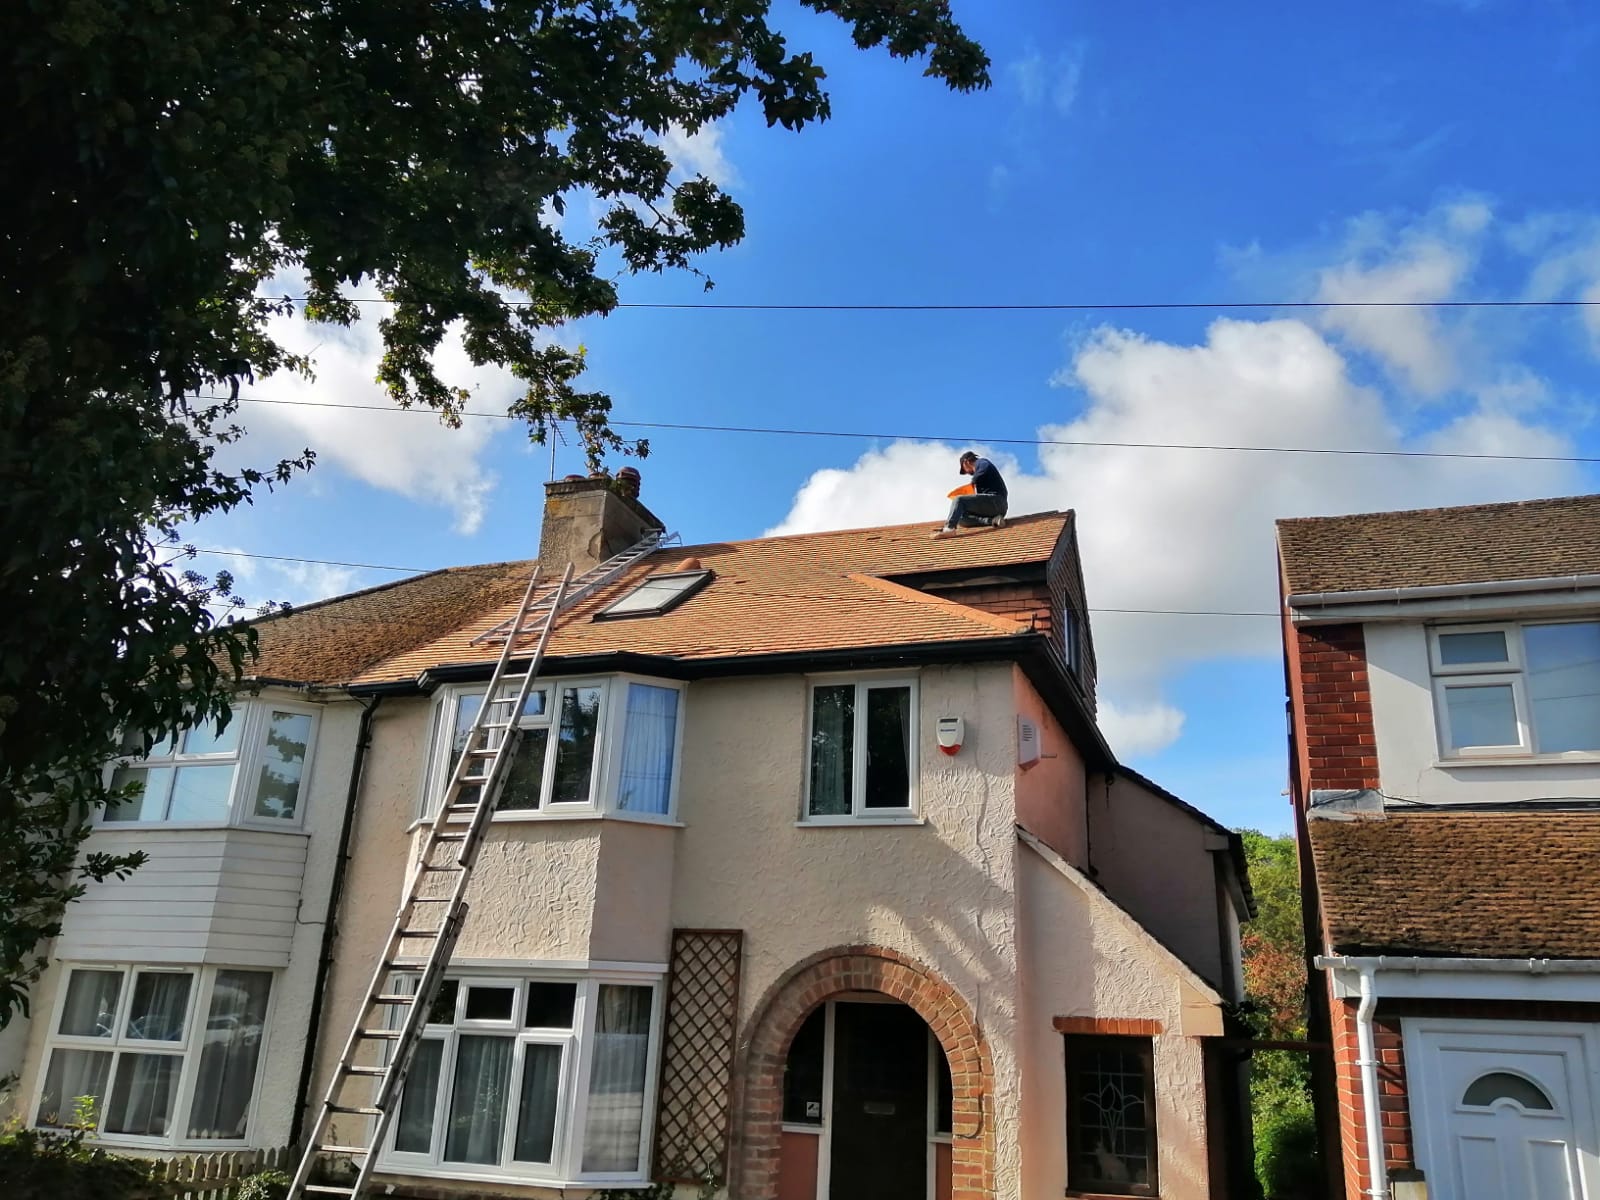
1503, 1114
880, 1104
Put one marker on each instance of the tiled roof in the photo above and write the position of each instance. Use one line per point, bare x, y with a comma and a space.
1468, 884
808, 592
333, 641
1478, 543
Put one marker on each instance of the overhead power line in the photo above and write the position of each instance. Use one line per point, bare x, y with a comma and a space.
869, 435
1063, 306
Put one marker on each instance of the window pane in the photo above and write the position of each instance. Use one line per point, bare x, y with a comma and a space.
536, 1118
414, 1124
524, 783
283, 760
466, 713
1113, 1144
1564, 685
833, 734
142, 1094
151, 804
615, 1122
205, 739
1482, 716
550, 1005
201, 793
133, 746
91, 1005
802, 1071
226, 1077
443, 1009
478, 1096
1485, 1090
1463, 649
490, 1003
580, 721
944, 1094
73, 1074
160, 1002
888, 748
648, 743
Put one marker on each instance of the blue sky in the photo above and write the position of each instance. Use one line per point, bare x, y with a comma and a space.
1414, 149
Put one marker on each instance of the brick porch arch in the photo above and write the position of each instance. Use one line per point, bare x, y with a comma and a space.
778, 1017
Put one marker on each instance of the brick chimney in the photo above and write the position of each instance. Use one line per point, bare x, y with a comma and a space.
588, 519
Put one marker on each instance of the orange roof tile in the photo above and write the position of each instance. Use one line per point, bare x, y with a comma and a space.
806, 592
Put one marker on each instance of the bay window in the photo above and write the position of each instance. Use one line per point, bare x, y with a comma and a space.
251, 772
545, 1077
861, 750
583, 746
1517, 689
164, 1057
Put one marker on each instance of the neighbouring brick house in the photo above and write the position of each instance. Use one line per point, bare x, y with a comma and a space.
738, 911
1443, 668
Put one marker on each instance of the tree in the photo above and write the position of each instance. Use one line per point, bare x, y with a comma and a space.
1275, 982
169, 163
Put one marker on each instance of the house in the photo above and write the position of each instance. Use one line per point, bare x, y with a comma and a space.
1444, 678
812, 875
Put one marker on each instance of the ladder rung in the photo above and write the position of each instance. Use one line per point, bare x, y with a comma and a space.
356, 1110
382, 1035
393, 998
329, 1149
353, 1069
327, 1189
429, 900
449, 837
489, 753
440, 867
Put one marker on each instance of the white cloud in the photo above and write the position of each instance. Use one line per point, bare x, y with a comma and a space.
1140, 729
1193, 530
410, 454
1055, 80
700, 153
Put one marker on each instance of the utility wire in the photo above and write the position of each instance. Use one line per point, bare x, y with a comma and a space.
1074, 306
868, 435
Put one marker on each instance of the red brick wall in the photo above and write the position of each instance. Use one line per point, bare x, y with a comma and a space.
1334, 707
1028, 603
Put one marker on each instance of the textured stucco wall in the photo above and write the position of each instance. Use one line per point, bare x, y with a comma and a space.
1050, 794
1151, 857
1079, 959
283, 1048
942, 892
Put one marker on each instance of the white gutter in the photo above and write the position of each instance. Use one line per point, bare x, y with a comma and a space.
1439, 591
1516, 966
1366, 1048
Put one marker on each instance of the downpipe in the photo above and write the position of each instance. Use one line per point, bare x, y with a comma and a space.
1366, 1048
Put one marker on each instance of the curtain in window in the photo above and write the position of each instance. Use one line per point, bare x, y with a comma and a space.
226, 1076
833, 731
615, 1119
414, 1126
648, 743
536, 1119
73, 1074
478, 1097
91, 1006
142, 1094
160, 1002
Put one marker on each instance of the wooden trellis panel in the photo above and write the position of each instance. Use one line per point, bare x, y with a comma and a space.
695, 1110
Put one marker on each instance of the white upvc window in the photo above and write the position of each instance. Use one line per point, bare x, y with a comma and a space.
547, 1077
1517, 689
167, 1057
861, 750
604, 746
253, 772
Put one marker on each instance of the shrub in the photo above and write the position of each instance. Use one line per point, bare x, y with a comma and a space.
265, 1185
38, 1164
1285, 1126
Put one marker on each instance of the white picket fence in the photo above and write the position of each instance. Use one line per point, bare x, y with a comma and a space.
217, 1176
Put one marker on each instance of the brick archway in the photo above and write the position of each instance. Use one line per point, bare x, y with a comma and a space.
778, 1018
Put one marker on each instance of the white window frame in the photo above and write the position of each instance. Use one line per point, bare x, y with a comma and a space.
253, 718
572, 1091
1513, 673
204, 980
859, 814
609, 735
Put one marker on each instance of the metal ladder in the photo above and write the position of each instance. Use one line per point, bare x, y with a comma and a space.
389, 1025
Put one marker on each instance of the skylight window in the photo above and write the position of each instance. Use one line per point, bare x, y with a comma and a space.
657, 594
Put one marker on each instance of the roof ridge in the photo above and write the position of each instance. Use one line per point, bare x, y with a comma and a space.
784, 537
1439, 508
913, 596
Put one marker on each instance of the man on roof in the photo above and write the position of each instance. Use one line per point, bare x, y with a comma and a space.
982, 503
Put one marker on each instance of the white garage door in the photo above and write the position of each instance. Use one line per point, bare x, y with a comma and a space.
1504, 1110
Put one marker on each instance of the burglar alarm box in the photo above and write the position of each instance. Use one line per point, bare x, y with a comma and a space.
952, 732
1027, 743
